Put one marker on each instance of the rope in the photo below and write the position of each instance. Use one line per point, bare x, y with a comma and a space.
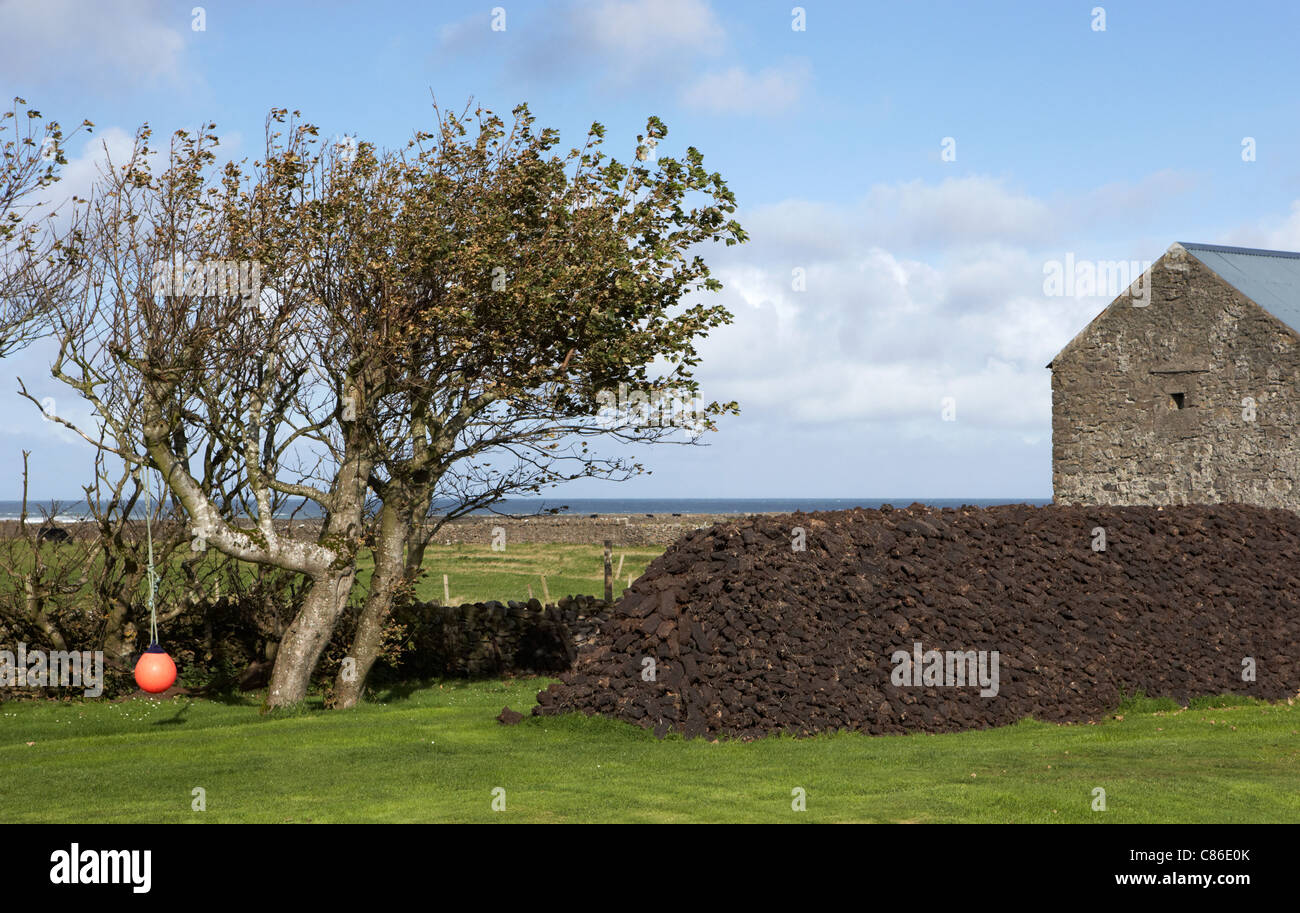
148, 528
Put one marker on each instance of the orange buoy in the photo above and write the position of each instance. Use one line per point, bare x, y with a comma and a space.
155, 672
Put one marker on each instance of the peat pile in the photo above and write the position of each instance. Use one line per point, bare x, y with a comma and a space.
735, 631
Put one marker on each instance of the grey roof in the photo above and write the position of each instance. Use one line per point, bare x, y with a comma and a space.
1270, 278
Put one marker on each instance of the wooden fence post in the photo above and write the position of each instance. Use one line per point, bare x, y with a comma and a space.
609, 570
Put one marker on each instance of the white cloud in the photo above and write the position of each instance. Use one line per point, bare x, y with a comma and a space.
113, 144
1286, 236
910, 215
641, 32
623, 40
79, 175
873, 339
1272, 233
738, 90
625, 44
1144, 196
109, 42
110, 144
958, 209
916, 292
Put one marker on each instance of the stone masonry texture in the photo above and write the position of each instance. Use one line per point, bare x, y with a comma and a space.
1153, 405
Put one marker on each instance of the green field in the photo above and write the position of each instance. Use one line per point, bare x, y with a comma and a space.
475, 573
436, 754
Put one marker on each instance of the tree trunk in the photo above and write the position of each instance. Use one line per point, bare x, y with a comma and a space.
305, 640
307, 637
385, 583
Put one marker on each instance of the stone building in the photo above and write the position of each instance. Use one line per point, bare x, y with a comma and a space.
1186, 388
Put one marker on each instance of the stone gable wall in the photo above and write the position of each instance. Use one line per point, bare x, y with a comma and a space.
1118, 437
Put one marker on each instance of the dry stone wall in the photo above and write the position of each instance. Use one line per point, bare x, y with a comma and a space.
625, 530
494, 638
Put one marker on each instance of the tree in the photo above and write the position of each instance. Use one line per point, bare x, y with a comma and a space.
541, 285
202, 371
32, 260
443, 321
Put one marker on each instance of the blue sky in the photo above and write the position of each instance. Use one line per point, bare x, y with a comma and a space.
923, 271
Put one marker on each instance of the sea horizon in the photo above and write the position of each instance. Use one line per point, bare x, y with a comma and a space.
74, 510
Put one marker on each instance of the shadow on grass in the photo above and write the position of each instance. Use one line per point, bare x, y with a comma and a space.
389, 691
396, 691
178, 719
232, 698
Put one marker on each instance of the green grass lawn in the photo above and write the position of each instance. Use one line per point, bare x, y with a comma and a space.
436, 754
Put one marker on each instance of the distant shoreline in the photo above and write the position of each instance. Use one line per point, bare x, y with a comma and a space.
621, 529
73, 511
